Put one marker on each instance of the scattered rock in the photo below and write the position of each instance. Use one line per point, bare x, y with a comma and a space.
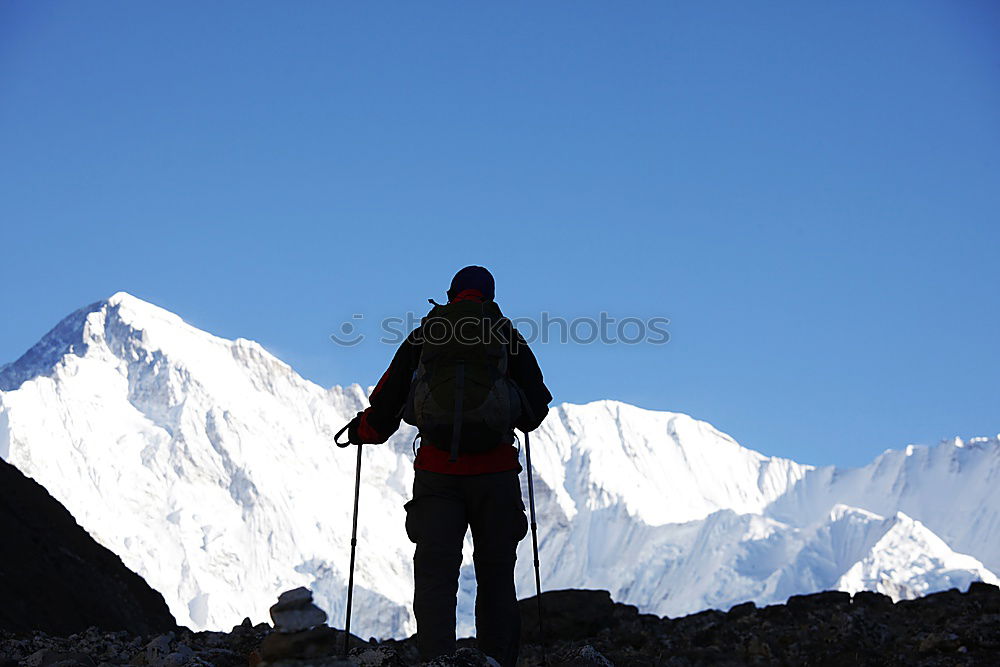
50, 658
158, 649
584, 656
314, 662
939, 642
741, 610
824, 600
872, 600
312, 643
377, 656
463, 657
568, 614
981, 588
586, 628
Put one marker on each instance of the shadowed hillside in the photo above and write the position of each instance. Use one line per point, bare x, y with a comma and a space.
55, 577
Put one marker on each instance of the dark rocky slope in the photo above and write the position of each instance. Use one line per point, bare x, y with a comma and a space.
55, 578
587, 628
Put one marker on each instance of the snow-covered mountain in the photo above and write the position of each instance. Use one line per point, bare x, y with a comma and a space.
208, 466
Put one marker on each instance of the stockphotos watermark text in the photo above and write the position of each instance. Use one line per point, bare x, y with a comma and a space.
604, 329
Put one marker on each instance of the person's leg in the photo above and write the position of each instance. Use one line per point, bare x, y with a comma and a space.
436, 522
496, 515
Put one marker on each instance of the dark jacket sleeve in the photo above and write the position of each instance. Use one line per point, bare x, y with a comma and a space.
381, 419
525, 372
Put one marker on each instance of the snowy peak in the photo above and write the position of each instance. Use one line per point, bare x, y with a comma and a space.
154, 350
122, 323
951, 487
908, 560
65, 338
117, 318
143, 314
664, 467
205, 463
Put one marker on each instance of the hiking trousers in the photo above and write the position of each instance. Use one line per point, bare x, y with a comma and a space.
443, 508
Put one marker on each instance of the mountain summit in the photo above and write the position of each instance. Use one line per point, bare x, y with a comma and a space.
208, 466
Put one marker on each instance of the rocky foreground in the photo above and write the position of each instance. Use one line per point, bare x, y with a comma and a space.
588, 628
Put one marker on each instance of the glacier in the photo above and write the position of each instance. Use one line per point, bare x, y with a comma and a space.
208, 465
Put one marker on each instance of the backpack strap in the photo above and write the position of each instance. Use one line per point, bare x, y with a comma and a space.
525, 405
456, 429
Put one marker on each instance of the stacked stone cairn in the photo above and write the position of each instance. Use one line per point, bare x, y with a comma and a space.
301, 637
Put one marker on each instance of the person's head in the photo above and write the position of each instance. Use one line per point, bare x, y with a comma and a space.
473, 278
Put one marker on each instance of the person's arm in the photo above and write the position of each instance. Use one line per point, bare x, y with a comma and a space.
381, 419
525, 372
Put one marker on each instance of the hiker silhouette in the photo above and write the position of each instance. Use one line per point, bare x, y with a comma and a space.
466, 379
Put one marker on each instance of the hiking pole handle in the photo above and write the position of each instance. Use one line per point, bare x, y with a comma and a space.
336, 438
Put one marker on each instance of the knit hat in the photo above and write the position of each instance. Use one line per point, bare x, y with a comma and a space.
473, 277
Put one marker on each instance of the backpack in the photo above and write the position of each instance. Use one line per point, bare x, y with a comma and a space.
461, 398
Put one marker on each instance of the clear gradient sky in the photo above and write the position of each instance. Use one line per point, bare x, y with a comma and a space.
810, 191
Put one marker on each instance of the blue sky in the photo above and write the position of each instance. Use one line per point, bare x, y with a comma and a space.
809, 191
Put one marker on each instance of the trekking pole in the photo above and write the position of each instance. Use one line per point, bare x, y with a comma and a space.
354, 542
534, 546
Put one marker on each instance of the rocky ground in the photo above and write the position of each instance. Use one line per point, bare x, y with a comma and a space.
587, 628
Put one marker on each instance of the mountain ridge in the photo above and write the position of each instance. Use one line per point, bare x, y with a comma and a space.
206, 464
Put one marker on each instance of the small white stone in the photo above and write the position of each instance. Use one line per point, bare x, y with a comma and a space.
295, 597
